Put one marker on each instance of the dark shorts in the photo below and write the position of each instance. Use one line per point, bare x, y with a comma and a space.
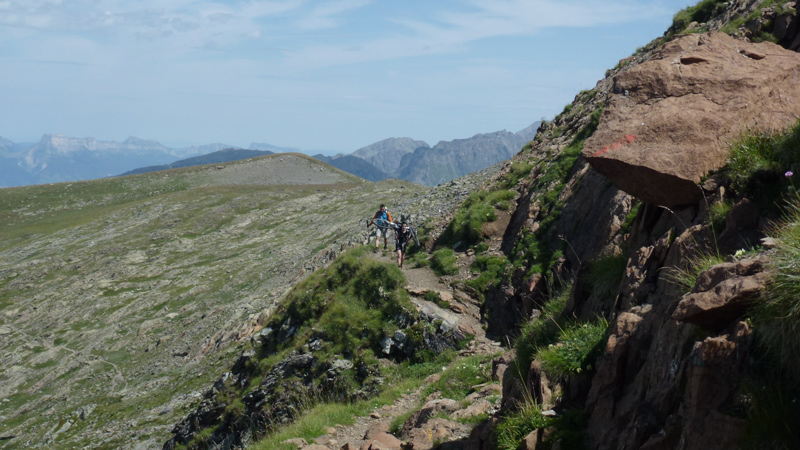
401, 247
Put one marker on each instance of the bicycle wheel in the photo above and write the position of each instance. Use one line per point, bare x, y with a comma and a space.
414, 235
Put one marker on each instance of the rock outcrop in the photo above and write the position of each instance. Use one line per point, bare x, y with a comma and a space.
670, 120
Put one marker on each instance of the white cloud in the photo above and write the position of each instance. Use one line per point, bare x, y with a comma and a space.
451, 31
327, 15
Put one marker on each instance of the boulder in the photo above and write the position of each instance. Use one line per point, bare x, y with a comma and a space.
670, 120
532, 440
376, 429
722, 294
316, 447
382, 441
296, 442
435, 432
432, 408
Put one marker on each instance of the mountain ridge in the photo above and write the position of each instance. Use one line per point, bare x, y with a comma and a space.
59, 158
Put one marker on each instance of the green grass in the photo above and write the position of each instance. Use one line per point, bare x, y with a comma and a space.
490, 271
434, 297
779, 314
509, 433
517, 171
477, 209
402, 379
578, 347
718, 214
685, 278
569, 428
700, 13
605, 275
539, 250
758, 163
351, 306
627, 224
459, 380
443, 262
772, 413
418, 259
540, 333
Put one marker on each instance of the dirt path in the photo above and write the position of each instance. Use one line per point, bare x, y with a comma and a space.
380, 419
417, 278
462, 312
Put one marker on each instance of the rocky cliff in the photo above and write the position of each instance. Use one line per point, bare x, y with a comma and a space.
623, 254
635, 208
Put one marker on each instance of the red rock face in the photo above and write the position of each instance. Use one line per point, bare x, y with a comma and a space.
672, 119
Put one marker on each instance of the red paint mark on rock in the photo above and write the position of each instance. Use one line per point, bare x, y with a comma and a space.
629, 138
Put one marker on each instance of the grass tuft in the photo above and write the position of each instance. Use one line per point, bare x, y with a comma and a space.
758, 164
685, 278
477, 209
510, 432
606, 273
490, 269
578, 347
443, 262
780, 311
543, 331
460, 379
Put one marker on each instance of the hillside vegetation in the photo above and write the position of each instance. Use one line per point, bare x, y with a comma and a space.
121, 299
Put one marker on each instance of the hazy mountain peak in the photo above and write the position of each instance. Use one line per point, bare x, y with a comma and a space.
386, 155
529, 132
272, 148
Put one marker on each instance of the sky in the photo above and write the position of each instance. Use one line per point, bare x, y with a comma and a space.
329, 76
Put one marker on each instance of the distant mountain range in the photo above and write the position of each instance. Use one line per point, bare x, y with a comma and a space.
57, 158
224, 155
416, 161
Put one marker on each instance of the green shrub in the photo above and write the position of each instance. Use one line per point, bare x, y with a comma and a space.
443, 262
500, 199
491, 269
512, 430
459, 379
578, 347
778, 316
477, 209
481, 247
569, 428
699, 13
417, 258
354, 289
435, 298
718, 213
627, 224
540, 333
758, 162
465, 227
517, 171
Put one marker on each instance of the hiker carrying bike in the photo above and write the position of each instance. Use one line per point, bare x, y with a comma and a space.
401, 238
383, 222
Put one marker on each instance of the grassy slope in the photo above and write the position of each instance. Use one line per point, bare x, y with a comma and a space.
121, 297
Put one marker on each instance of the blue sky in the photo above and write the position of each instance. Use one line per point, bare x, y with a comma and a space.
317, 75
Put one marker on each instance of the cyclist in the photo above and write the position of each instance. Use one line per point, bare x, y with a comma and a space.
402, 235
383, 222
